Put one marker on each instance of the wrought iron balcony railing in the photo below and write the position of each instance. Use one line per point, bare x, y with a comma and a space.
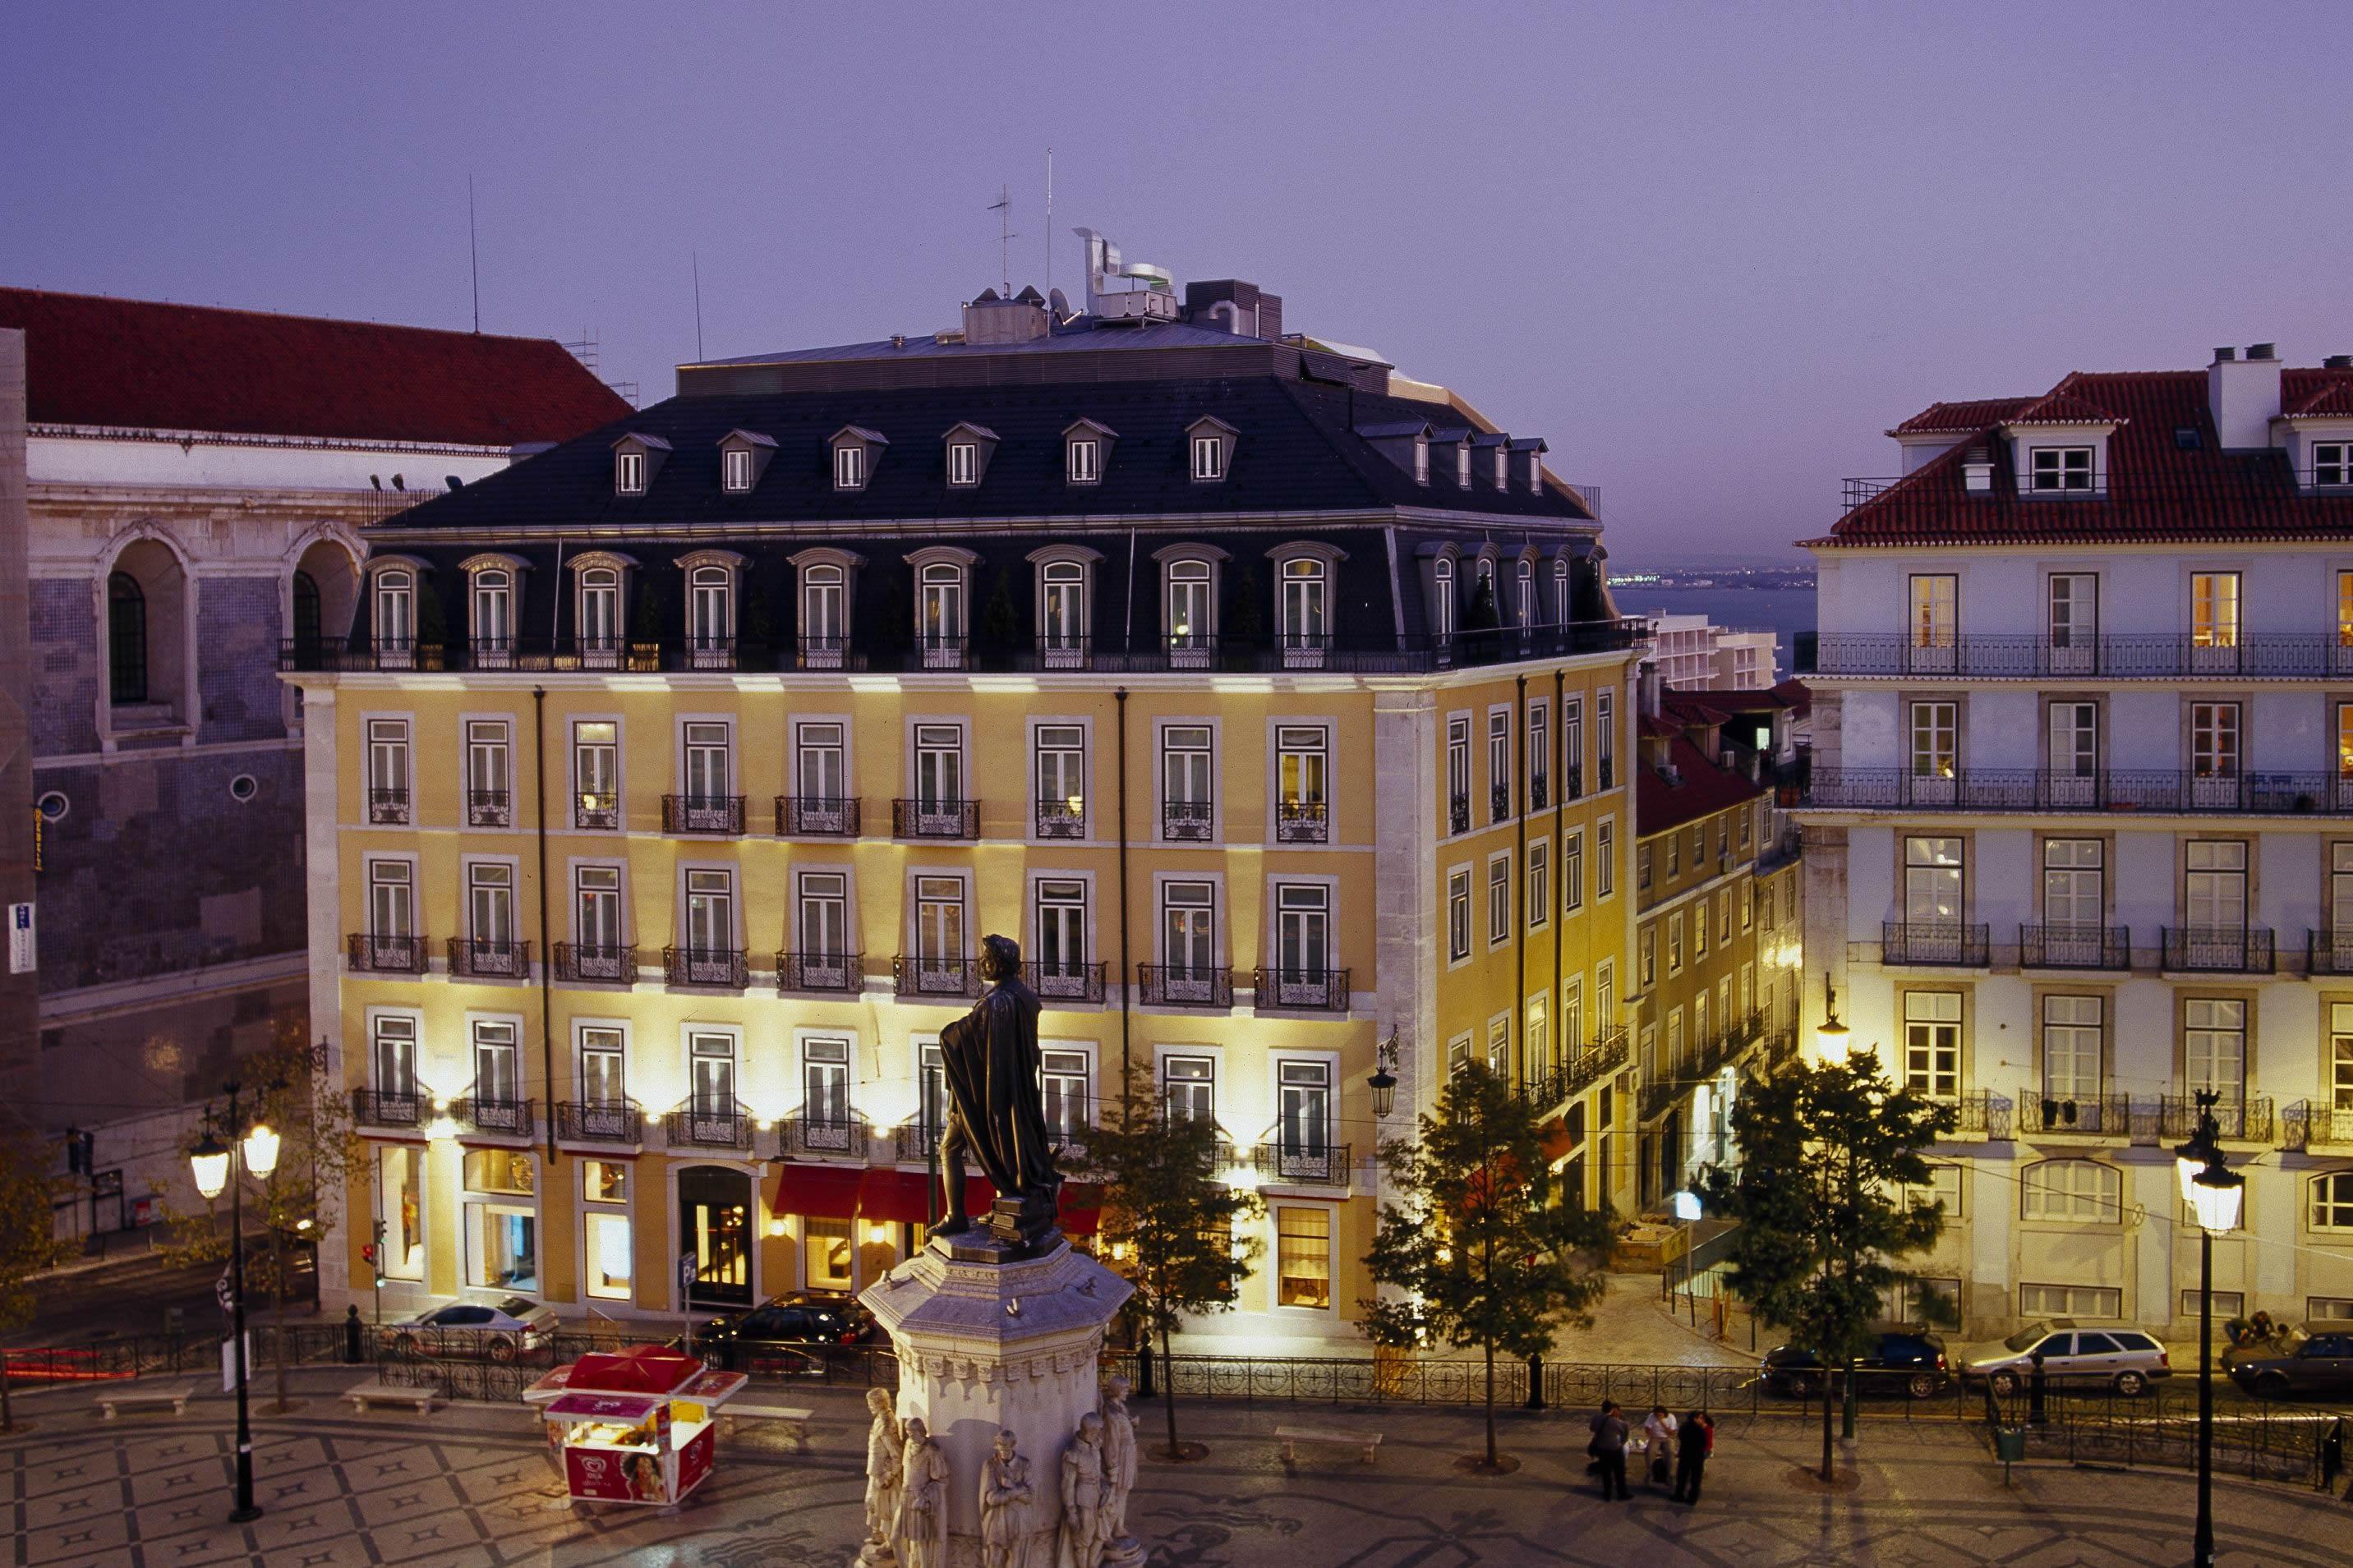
1318, 990
366, 950
1187, 821
388, 807
834, 971
2044, 1113
617, 1123
1064, 979
918, 975
2074, 947
1302, 822
816, 816
2305, 1126
2158, 656
1499, 802
478, 959
1539, 793
1458, 814
2217, 950
595, 964
1933, 943
1060, 819
1582, 1068
709, 1126
493, 1118
935, 819
596, 809
389, 1107
823, 1138
1185, 985
489, 808
2242, 1118
1302, 1163
713, 813
2328, 952
1981, 1113
2164, 792
727, 969
912, 1143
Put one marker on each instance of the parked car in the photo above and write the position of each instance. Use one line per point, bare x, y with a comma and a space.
500, 1331
2126, 1360
2315, 1364
1909, 1364
784, 1334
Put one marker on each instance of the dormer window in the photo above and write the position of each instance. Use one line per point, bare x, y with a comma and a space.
849, 467
735, 469
1526, 611
1560, 591
1441, 620
1208, 458
743, 458
1503, 469
967, 448
2061, 468
1085, 456
629, 473
2332, 463
1462, 466
1422, 460
1535, 475
963, 463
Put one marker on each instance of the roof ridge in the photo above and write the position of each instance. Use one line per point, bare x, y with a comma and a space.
270, 315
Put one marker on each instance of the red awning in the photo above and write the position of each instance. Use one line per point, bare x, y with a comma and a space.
640, 1369
837, 1191
827, 1191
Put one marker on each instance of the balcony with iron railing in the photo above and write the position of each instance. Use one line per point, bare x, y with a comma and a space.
917, 975
1458, 814
2307, 1128
1060, 818
839, 1137
591, 964
2045, 790
367, 953
912, 1142
1606, 774
1979, 1114
1539, 793
1187, 821
401, 1107
388, 807
709, 1125
1499, 802
2328, 952
1185, 985
2158, 656
717, 814
2108, 1118
1302, 822
479, 958
836, 972
1942, 943
1561, 1082
2216, 950
489, 808
605, 1123
505, 1120
2074, 947
2241, 1117
1302, 1161
816, 816
1064, 979
713, 968
1308, 990
935, 819
596, 810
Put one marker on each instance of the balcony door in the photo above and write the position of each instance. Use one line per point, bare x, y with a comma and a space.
603, 1056
1302, 913
2071, 1053
1305, 1128
1061, 933
2072, 774
498, 1079
2072, 627
709, 915
710, 1070
1933, 898
940, 949
1189, 937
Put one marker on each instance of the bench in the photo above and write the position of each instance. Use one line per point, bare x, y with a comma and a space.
133, 1396
792, 1418
1370, 1443
364, 1394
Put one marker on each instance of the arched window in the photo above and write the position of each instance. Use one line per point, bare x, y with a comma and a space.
2332, 1201
1560, 591
1304, 622
396, 611
126, 632
940, 615
307, 618
2075, 1192
823, 617
1441, 609
600, 611
494, 612
1190, 610
1525, 611
1062, 608
710, 609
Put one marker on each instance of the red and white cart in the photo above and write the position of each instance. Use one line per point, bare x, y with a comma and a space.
635, 1427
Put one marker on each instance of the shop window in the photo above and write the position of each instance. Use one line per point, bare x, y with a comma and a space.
1304, 1257
830, 1259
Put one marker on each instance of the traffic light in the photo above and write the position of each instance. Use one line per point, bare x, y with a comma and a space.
367, 1252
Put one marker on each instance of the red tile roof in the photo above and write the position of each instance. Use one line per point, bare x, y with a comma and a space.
141, 364
1797, 695
1960, 418
1705, 789
2062, 407
2333, 399
2158, 488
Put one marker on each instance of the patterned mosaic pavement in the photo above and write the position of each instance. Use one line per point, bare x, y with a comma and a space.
469, 1487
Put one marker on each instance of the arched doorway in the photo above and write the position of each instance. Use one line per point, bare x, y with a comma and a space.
714, 1228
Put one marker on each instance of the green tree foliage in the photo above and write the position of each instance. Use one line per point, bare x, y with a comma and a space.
1827, 1151
1248, 621
646, 614
289, 1211
1001, 622
28, 1243
432, 625
1168, 1219
1483, 616
1483, 1251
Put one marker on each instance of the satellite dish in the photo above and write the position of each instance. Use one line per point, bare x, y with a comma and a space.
1058, 303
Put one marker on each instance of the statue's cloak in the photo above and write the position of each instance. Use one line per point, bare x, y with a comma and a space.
990, 1060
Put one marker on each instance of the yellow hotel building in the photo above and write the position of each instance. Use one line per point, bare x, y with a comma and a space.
661, 787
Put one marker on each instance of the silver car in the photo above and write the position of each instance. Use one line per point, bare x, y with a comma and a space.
2126, 1360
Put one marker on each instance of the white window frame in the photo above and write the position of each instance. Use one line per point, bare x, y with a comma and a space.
1208, 458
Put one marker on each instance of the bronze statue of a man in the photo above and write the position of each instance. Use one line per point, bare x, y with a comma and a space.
996, 1107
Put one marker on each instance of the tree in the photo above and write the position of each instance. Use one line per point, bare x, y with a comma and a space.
1001, 622
28, 1244
292, 1208
1826, 1154
1483, 1251
1168, 1219
1248, 622
1483, 616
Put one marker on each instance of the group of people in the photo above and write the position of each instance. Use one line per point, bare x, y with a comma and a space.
1688, 1442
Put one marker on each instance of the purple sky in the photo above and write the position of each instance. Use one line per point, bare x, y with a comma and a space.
1710, 252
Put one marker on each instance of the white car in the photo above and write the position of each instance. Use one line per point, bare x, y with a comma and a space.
497, 1331
2126, 1360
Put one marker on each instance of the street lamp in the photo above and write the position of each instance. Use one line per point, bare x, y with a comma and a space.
212, 1159
1829, 1034
2214, 1193
1384, 1083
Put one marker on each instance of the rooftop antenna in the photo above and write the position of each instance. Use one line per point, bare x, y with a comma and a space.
1003, 207
1049, 226
474, 249
698, 303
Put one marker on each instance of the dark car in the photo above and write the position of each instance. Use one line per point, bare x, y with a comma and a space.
786, 1335
1912, 1364
2320, 1363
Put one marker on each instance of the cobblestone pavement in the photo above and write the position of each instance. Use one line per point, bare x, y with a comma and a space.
469, 1487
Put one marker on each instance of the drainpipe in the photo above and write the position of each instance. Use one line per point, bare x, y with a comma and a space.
1563, 1045
1520, 865
1127, 970
546, 949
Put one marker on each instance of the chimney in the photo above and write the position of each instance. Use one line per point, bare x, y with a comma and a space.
1652, 689
992, 319
2243, 392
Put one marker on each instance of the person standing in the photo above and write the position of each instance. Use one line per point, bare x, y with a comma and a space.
1697, 1440
1659, 1438
1608, 1451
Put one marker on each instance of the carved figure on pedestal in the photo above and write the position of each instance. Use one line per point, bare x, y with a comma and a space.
1119, 1458
885, 1466
988, 1061
1083, 1538
923, 1532
1005, 1499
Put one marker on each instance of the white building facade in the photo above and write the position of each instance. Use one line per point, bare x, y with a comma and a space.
2079, 826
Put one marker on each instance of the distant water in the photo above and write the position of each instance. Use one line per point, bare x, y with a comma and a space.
1782, 610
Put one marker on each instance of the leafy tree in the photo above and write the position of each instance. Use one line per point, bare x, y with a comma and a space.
292, 1209
1826, 1151
1483, 1251
1168, 1219
28, 1244
646, 614
1483, 616
1001, 622
432, 625
1248, 621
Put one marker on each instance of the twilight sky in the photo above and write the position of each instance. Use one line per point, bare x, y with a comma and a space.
1709, 251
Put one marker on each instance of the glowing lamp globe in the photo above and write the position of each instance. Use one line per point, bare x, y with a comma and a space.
2215, 1198
261, 1149
210, 1160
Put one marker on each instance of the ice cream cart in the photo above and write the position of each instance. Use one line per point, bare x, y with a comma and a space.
639, 1427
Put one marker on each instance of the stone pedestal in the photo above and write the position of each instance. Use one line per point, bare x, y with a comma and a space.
987, 1339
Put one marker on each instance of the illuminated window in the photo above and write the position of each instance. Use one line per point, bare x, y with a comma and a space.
1302, 1258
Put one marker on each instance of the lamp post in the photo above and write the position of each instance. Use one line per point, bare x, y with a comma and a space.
1830, 1034
256, 1148
1383, 1082
2213, 1193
